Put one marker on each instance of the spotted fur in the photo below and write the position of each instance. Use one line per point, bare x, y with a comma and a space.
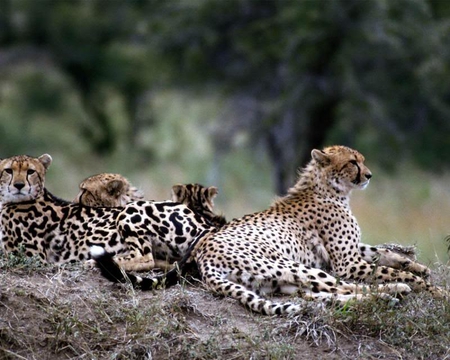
283, 249
142, 234
199, 199
108, 190
114, 190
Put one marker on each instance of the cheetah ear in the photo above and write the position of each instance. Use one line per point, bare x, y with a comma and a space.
45, 160
87, 185
114, 186
320, 157
212, 192
176, 192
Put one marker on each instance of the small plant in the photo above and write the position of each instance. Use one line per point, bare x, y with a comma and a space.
20, 261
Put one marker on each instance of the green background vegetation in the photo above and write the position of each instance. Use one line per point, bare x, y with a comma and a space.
235, 94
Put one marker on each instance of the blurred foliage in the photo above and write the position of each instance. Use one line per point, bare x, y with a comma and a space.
279, 77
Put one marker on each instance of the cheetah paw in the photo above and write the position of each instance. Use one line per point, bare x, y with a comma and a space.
396, 289
89, 264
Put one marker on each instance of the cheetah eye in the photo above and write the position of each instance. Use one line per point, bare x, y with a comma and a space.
8, 171
354, 162
30, 171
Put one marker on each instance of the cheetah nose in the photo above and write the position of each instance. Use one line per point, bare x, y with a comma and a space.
19, 185
368, 176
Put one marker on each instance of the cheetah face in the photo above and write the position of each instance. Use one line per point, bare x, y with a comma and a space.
344, 168
109, 190
22, 178
357, 173
195, 196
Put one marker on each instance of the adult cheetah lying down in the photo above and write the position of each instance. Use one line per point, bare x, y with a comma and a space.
284, 248
142, 234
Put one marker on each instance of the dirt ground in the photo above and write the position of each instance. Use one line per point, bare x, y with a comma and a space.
68, 312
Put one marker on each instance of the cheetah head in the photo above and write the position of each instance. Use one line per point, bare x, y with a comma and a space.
22, 177
195, 196
109, 190
343, 167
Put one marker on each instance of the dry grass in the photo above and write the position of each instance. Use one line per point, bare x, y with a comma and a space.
411, 208
67, 312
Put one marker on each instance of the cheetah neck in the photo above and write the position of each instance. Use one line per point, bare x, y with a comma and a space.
45, 197
212, 219
314, 180
49, 197
208, 217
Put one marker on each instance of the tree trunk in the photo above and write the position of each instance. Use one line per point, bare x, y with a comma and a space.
289, 144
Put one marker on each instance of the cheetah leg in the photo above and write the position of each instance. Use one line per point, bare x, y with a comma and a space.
128, 265
387, 257
132, 262
381, 274
289, 277
135, 261
341, 299
139, 256
163, 265
139, 263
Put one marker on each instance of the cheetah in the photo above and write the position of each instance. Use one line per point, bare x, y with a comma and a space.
199, 199
283, 249
114, 190
140, 234
107, 190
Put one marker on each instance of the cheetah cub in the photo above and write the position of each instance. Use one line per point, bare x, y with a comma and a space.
108, 190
